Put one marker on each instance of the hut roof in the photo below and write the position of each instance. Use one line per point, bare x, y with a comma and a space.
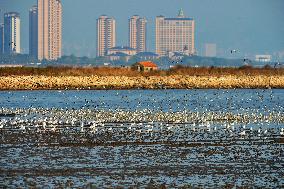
148, 64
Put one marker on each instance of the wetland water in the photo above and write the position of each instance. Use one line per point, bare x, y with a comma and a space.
139, 138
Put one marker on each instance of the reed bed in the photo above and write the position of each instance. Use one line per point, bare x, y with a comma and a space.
67, 78
116, 71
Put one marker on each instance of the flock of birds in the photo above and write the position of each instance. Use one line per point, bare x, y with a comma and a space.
109, 126
184, 118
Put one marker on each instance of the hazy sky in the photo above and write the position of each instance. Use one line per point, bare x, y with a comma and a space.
251, 26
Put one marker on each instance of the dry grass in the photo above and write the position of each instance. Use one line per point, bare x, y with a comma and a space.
106, 71
68, 71
217, 71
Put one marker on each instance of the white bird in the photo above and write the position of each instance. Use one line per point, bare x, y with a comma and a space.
43, 125
282, 131
243, 133
82, 127
53, 129
22, 127
265, 132
259, 132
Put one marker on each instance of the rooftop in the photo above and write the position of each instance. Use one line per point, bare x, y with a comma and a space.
148, 64
180, 16
10, 14
146, 54
119, 54
178, 54
121, 48
178, 19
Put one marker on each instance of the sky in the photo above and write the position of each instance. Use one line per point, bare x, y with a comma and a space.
250, 26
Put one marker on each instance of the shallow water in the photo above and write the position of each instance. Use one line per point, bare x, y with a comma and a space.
139, 138
166, 100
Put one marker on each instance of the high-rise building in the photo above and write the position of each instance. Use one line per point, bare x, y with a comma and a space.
137, 33
174, 35
210, 50
105, 34
33, 34
12, 40
49, 29
1, 38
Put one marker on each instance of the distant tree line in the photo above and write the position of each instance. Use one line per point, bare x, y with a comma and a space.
162, 62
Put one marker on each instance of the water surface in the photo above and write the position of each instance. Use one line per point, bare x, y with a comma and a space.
173, 138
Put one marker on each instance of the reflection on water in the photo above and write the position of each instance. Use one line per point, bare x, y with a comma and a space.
139, 138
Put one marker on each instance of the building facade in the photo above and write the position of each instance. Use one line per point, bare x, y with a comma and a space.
137, 33
49, 29
33, 33
105, 34
1, 38
175, 35
12, 39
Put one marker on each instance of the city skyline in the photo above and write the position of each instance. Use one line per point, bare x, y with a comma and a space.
238, 25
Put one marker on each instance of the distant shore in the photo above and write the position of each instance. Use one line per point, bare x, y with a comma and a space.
39, 82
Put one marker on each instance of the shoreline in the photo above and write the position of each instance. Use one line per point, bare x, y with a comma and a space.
40, 82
